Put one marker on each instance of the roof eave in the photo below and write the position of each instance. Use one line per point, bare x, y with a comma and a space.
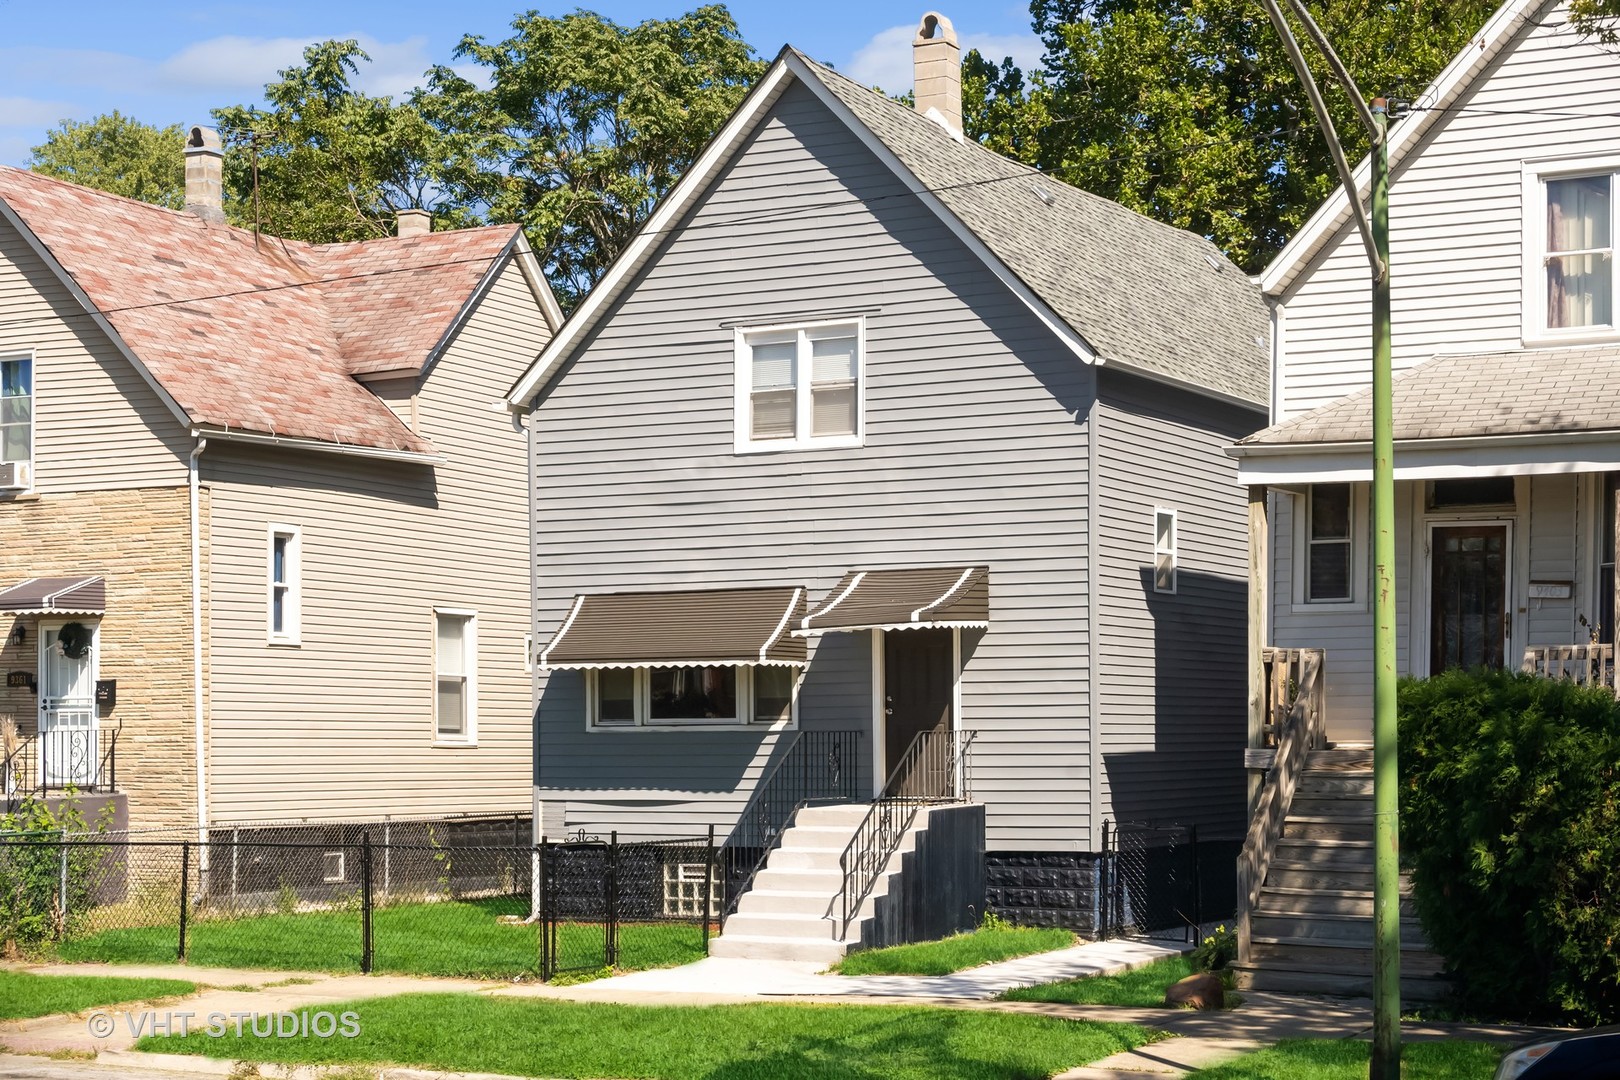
319, 446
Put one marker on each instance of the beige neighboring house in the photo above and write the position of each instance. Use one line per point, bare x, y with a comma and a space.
263, 513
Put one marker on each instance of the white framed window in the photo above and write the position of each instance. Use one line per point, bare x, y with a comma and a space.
17, 420
1164, 550
801, 387
1330, 550
284, 557
455, 676
1569, 245
701, 696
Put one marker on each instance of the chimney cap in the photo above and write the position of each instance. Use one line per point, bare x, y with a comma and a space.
933, 22
203, 140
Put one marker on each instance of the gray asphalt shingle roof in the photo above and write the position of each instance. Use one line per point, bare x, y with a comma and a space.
1138, 291
1519, 392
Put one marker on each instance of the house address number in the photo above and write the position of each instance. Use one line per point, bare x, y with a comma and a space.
1551, 590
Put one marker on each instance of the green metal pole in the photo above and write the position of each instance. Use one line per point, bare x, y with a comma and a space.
1386, 1051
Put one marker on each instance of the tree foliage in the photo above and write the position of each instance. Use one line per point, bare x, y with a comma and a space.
116, 153
1597, 19
334, 163
1188, 110
585, 124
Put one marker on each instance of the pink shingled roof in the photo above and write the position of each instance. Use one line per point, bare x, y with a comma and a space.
265, 340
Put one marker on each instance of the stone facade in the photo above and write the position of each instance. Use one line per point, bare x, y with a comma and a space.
1043, 888
139, 540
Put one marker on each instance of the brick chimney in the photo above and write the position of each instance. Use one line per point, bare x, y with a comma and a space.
412, 223
937, 72
205, 175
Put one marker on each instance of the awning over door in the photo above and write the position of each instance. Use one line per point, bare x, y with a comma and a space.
56, 596
661, 629
938, 596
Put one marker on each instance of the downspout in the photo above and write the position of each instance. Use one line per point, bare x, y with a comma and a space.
199, 720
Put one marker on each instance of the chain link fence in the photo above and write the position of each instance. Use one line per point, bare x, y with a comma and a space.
1165, 880
337, 899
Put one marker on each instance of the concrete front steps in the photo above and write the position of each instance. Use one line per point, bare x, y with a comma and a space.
1312, 931
793, 910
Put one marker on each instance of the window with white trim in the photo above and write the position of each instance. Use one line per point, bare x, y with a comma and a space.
284, 585
800, 387
17, 410
455, 676
1578, 259
1164, 551
1329, 543
706, 695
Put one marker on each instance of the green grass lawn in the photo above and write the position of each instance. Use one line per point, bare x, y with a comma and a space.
514, 1036
955, 953
453, 938
1143, 988
24, 994
1346, 1059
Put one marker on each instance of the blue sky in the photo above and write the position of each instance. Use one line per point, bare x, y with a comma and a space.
168, 61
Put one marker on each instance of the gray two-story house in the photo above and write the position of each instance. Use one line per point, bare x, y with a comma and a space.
872, 435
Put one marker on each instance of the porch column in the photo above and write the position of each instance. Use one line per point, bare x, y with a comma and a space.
1259, 593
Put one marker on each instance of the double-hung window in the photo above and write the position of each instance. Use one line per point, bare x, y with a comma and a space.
697, 695
17, 415
1579, 257
800, 387
1329, 512
284, 591
455, 676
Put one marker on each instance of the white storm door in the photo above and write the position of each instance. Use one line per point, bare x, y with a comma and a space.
69, 748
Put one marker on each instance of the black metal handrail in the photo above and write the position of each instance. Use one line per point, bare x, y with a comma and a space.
77, 758
817, 767
932, 770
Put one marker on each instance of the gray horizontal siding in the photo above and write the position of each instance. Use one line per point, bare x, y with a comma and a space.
1171, 682
975, 453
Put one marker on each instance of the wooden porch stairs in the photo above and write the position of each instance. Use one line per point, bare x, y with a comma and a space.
1311, 929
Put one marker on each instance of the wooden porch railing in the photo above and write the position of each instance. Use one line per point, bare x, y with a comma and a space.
1294, 677
1590, 665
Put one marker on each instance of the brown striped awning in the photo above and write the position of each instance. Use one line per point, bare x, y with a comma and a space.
936, 596
82, 595
661, 629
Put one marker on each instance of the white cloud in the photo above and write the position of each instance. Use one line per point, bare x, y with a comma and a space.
31, 112
244, 64
885, 60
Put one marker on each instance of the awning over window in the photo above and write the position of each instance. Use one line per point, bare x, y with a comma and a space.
661, 629
903, 600
56, 596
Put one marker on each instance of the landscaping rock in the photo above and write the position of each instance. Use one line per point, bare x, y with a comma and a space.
1201, 991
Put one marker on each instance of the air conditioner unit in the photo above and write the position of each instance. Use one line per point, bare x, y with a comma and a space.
16, 476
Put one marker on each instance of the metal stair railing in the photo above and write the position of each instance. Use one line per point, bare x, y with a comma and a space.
818, 767
932, 770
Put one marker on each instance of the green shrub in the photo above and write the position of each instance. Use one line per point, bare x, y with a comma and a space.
1216, 951
1510, 823
34, 864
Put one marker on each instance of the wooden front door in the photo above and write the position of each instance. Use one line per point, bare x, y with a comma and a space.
1468, 605
919, 672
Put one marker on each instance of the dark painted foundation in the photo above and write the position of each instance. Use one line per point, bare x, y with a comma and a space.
1043, 888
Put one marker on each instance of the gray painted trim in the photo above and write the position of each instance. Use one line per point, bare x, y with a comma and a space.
90, 308
1093, 605
319, 446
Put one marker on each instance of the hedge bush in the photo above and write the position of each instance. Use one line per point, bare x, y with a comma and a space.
1510, 824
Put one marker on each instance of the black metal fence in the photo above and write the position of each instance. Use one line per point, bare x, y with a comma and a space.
345, 902
83, 759
1164, 880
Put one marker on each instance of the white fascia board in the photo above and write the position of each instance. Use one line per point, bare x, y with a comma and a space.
1433, 459
535, 275
485, 283
1025, 294
94, 312
288, 442
630, 260
1449, 85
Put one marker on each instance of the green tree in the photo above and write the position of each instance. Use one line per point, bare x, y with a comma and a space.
116, 153
1188, 110
334, 164
585, 124
1598, 19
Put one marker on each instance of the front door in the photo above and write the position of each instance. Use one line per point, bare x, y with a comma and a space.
1468, 603
69, 752
919, 673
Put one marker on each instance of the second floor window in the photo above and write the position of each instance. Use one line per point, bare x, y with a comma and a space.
1579, 258
17, 410
799, 387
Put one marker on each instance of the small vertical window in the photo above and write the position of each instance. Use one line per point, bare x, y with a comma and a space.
1164, 551
283, 599
773, 694
1579, 258
455, 666
17, 412
1328, 544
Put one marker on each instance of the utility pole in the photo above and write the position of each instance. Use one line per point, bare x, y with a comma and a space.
1386, 1048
